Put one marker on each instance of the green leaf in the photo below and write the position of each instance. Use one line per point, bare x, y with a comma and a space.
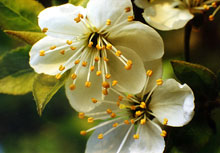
19, 14
202, 80
79, 2
44, 88
29, 37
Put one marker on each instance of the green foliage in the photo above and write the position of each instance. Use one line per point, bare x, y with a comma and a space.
202, 80
79, 2
28, 37
44, 88
19, 15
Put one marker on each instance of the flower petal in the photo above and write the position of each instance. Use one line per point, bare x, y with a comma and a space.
50, 62
131, 81
149, 140
164, 16
174, 102
59, 20
80, 97
144, 40
99, 11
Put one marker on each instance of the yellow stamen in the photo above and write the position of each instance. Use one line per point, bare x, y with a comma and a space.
106, 59
77, 19
98, 73
108, 22
73, 76
52, 47
108, 76
129, 96
44, 30
69, 42
211, 17
62, 52
108, 46
143, 105
105, 85
83, 133
87, 84
90, 120
97, 58
159, 82
206, 7
92, 68
118, 53
136, 136
132, 121
149, 73
143, 121
98, 47
214, 4
61, 68
58, 76
120, 98
115, 125
105, 92
100, 136
122, 106
81, 115
77, 61
127, 9
114, 82
42, 53
118, 103
138, 113
130, 18
113, 115
90, 44
72, 47
165, 121
84, 63
132, 107
109, 111
126, 122
94, 100
163, 133
80, 16
72, 86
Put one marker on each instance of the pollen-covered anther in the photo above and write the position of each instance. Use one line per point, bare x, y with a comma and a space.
83, 133
143, 105
129, 65
163, 133
92, 68
44, 30
105, 92
73, 76
211, 17
105, 84
109, 111
100, 136
136, 136
98, 73
109, 46
114, 82
90, 120
206, 7
106, 59
214, 4
84, 63
80, 16
108, 76
165, 121
42, 53
130, 18
97, 58
122, 106
72, 86
61, 68
53, 47
115, 125
120, 98
90, 44
118, 53
98, 47
58, 76
127, 9
133, 107
138, 113
129, 96
87, 84
118, 103
108, 22
62, 51
149, 73
113, 115
77, 19
72, 48
81, 115
159, 82
132, 121
126, 122
94, 100
143, 121
69, 42
77, 61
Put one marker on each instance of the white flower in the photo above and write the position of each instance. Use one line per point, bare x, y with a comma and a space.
100, 44
136, 124
174, 14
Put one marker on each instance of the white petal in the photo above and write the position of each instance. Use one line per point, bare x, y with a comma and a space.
60, 21
174, 102
98, 11
163, 16
80, 97
111, 142
50, 62
149, 140
144, 40
131, 81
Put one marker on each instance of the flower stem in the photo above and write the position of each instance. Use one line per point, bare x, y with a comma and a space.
187, 34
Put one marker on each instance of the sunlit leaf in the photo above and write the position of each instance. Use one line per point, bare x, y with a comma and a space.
19, 14
79, 2
44, 88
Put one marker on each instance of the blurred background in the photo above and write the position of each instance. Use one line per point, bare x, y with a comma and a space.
57, 131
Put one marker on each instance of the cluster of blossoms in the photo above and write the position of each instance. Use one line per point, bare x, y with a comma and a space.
107, 54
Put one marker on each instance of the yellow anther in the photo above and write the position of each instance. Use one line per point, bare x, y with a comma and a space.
130, 18
84, 63
109, 111
143, 121
94, 100
90, 120
132, 121
53, 47
118, 53
109, 46
206, 7
72, 47
163, 133
103, 47
73, 76
100, 136
83, 133
77, 19
149, 73
77, 61
90, 44
126, 122
211, 17
81, 115
114, 82
143, 105
127, 9
136, 136
87, 84
129, 62
61, 68
58, 76
113, 115
105, 84
133, 107
108, 22
97, 58
92, 68
98, 47
118, 103
159, 82
106, 59
129, 96
42, 53
108, 76
98, 73
72, 86
44, 30
122, 106
214, 4
138, 113
62, 52
69, 42
120, 98
115, 125
105, 92
80, 16
129, 65
165, 121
